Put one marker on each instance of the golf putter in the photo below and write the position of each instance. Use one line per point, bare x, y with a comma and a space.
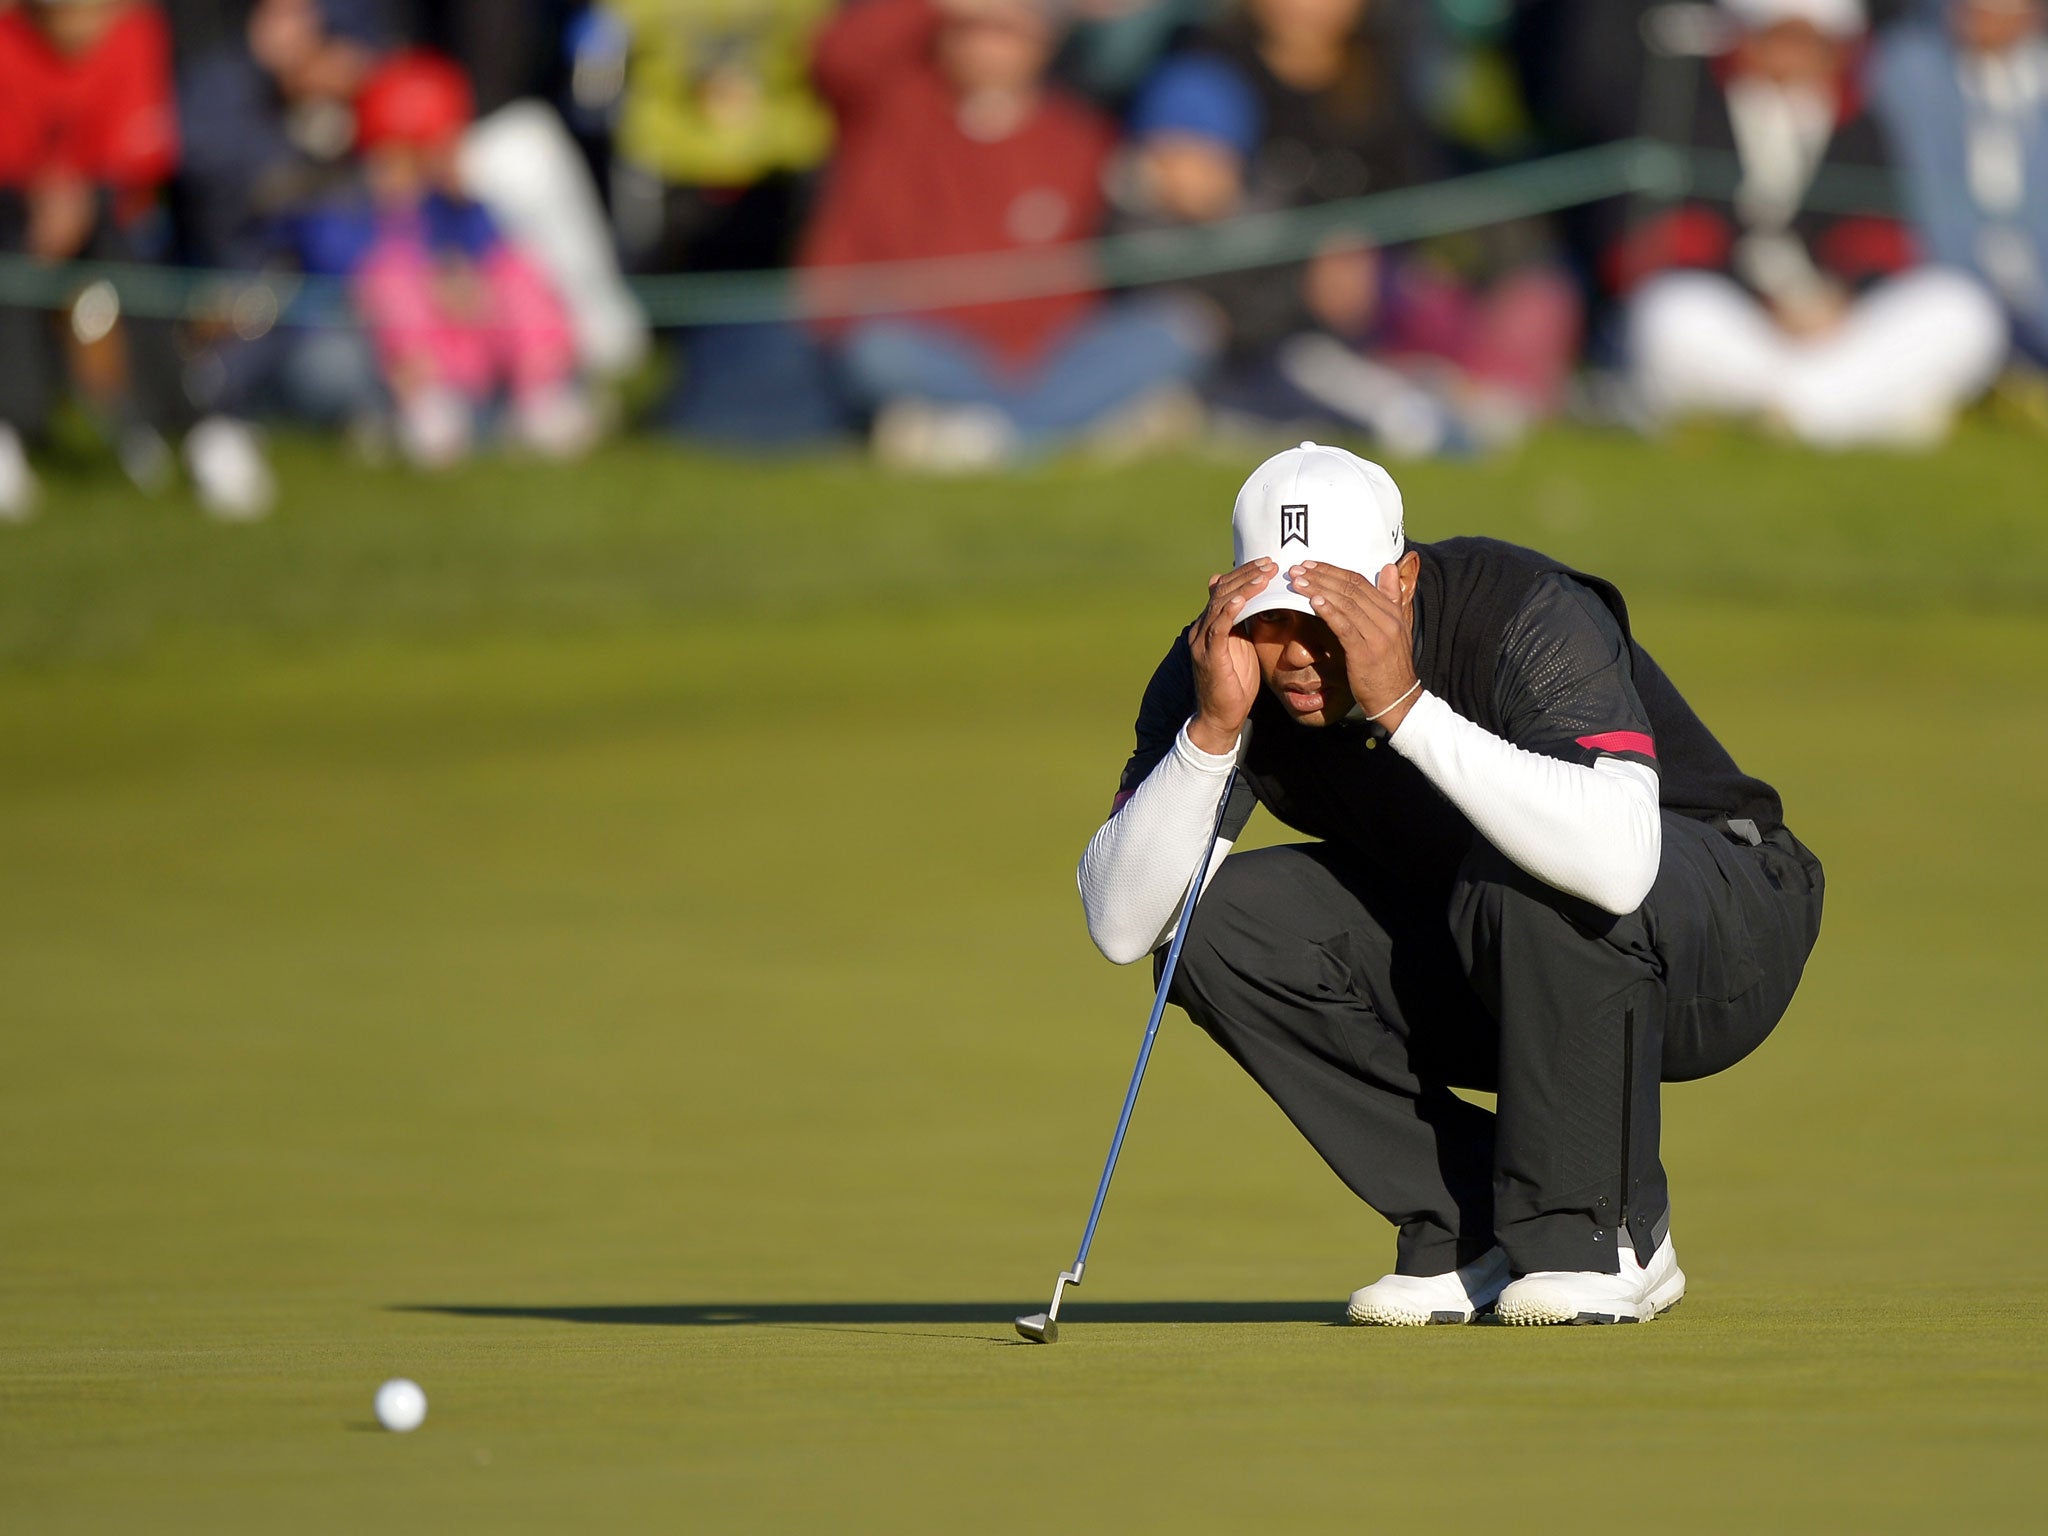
1044, 1327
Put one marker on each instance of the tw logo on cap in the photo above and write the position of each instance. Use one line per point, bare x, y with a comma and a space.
1294, 525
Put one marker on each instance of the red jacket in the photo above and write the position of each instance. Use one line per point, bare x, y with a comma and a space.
908, 183
106, 115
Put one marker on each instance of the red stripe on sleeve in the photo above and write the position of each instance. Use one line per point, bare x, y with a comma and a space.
1622, 741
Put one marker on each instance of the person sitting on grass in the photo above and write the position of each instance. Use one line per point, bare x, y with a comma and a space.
720, 134
266, 112
1822, 325
1534, 872
952, 144
1967, 107
88, 137
456, 312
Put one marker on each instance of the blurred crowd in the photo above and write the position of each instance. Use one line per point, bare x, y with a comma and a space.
1862, 253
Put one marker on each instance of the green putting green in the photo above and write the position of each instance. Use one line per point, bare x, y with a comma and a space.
602, 943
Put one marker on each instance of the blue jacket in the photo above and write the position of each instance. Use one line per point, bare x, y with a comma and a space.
1920, 93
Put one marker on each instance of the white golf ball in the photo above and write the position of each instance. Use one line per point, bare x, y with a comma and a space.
401, 1405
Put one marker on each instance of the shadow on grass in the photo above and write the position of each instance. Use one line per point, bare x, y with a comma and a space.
716, 1314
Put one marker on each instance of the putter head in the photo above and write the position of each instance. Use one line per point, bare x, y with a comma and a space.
1044, 1327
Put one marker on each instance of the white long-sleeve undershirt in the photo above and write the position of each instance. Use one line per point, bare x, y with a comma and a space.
1136, 869
1594, 832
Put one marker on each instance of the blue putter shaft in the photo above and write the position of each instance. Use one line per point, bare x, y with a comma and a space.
1180, 934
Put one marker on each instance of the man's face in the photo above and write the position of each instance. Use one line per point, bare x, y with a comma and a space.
1192, 176
399, 175
74, 28
1792, 53
1992, 26
289, 41
1302, 663
1323, 21
1003, 46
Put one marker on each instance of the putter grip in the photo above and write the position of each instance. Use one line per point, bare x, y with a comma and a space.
1239, 801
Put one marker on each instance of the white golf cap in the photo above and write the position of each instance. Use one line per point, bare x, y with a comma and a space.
1315, 503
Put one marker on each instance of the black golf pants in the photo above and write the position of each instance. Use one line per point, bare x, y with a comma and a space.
1358, 1013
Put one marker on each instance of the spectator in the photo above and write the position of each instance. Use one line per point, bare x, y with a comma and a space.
1967, 108
1303, 102
719, 133
88, 137
456, 312
953, 144
1822, 324
520, 161
718, 129
268, 118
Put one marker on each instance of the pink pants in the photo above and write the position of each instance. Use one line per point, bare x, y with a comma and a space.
1520, 335
519, 334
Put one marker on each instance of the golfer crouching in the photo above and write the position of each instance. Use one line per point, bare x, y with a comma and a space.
1534, 871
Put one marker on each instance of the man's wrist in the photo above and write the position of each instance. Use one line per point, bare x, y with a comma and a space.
1390, 716
1425, 711
1205, 735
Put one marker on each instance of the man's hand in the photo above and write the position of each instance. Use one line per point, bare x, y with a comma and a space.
1376, 629
1226, 666
1815, 313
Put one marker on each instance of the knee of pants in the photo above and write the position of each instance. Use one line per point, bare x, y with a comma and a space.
1679, 312
1184, 333
1245, 885
1697, 342
876, 358
885, 358
1964, 321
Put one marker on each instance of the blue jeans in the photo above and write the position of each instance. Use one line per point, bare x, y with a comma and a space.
1115, 356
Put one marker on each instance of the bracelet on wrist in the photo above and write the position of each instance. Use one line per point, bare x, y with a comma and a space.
1405, 696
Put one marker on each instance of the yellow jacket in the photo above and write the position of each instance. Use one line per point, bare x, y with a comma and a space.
718, 92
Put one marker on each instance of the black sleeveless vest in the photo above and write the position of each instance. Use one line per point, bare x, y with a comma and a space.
1345, 784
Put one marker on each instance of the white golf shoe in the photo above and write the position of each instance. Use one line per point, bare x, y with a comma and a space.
1635, 1295
1412, 1301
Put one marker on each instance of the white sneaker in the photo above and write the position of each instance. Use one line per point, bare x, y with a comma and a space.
557, 423
229, 472
1158, 421
936, 439
19, 490
434, 428
1411, 1301
1635, 1295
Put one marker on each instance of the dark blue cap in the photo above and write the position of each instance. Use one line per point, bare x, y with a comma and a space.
1202, 95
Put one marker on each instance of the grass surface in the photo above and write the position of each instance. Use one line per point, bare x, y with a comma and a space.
603, 943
